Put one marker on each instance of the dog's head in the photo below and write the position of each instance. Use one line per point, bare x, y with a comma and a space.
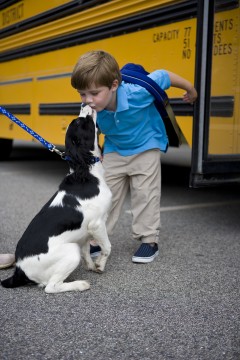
80, 135
81, 141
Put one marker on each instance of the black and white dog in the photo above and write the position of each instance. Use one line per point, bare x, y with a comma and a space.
53, 243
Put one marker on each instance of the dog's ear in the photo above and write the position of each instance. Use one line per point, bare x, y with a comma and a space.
87, 130
89, 119
72, 142
85, 133
70, 135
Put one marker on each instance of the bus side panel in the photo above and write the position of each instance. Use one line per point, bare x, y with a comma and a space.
17, 94
170, 47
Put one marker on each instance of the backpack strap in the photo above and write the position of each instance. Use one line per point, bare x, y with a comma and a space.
136, 74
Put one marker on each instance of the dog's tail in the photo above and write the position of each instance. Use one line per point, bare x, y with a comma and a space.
19, 278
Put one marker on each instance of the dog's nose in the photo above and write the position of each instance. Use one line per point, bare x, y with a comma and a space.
85, 110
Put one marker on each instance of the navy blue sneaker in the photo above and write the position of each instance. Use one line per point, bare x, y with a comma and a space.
145, 254
95, 250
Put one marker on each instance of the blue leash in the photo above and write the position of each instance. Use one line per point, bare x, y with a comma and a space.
45, 143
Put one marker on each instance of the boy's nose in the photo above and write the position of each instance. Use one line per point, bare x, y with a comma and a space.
88, 99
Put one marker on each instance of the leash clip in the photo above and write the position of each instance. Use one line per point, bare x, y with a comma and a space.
54, 149
60, 153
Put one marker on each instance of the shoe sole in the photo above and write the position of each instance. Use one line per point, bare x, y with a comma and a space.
5, 266
145, 260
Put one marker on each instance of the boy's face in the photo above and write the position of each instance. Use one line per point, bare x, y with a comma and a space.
100, 97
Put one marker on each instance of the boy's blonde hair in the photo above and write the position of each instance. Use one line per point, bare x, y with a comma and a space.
95, 67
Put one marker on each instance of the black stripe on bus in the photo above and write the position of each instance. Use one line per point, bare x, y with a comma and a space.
23, 109
224, 5
153, 18
60, 109
221, 106
7, 3
56, 13
55, 76
17, 81
222, 164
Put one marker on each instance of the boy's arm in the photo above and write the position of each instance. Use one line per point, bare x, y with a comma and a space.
177, 81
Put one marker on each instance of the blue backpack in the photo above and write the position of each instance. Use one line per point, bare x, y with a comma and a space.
136, 74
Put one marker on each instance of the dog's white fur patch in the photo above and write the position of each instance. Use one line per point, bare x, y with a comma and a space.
58, 200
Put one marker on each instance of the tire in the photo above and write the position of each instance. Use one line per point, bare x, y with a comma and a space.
6, 146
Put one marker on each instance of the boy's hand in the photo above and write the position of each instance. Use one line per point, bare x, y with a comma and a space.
190, 96
179, 82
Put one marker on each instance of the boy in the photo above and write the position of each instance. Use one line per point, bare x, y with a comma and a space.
134, 136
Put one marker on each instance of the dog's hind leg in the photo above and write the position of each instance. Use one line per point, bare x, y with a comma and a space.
56, 286
99, 233
67, 259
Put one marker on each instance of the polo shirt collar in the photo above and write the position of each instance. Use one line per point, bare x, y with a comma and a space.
122, 100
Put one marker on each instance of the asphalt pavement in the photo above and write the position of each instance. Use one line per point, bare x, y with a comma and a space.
183, 306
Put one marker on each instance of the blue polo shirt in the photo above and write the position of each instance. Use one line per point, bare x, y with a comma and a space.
136, 126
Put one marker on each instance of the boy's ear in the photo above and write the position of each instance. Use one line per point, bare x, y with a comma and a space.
115, 85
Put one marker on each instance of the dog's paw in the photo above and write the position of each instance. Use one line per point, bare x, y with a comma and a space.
99, 269
100, 264
82, 285
88, 263
90, 267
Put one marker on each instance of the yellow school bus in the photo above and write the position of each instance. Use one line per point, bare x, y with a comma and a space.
199, 40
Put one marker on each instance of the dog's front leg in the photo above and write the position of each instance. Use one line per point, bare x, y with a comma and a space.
85, 250
99, 233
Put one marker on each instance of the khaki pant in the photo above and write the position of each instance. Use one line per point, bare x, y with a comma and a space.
142, 173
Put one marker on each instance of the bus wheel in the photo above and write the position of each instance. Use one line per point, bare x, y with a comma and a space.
6, 146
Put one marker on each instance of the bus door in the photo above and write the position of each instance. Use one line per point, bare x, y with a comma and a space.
216, 128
